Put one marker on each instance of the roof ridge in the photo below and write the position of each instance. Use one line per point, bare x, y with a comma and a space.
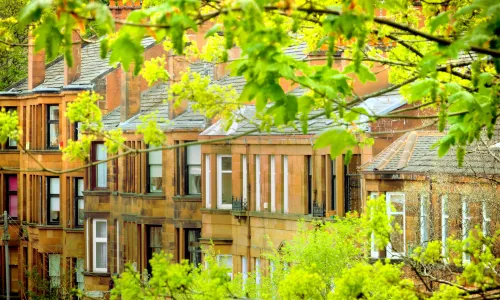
390, 153
407, 151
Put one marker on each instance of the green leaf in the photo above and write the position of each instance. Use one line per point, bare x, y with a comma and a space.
439, 20
338, 138
216, 28
126, 51
33, 11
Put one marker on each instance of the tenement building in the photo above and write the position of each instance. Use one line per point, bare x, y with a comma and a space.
79, 228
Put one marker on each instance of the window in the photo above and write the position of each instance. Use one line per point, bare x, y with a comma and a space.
486, 219
374, 253
154, 243
257, 182
79, 202
100, 246
100, 171
244, 186
424, 219
12, 201
244, 268
285, 184
55, 270
155, 171
444, 222
309, 185
333, 184
396, 209
466, 221
53, 200
225, 260
79, 274
11, 144
77, 131
193, 168
193, 248
207, 181
224, 182
53, 126
257, 271
273, 183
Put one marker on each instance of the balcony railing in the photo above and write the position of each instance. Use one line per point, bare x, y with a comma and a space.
239, 205
318, 210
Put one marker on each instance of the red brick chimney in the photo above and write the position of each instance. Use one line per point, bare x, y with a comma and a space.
130, 94
221, 69
120, 9
73, 73
36, 64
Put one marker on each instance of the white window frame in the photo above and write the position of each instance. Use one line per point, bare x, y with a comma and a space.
257, 183
219, 258
273, 183
207, 181
424, 219
374, 253
466, 221
96, 240
257, 271
219, 181
244, 269
388, 196
245, 179
444, 222
285, 184
486, 219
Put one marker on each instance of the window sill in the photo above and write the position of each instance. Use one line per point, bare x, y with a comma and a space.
97, 274
51, 151
211, 211
48, 227
97, 192
77, 229
187, 198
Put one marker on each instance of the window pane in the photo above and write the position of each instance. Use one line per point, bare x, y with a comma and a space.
100, 152
194, 155
54, 135
155, 157
102, 175
12, 143
397, 238
80, 211
100, 229
226, 163
54, 112
155, 237
227, 188
55, 209
13, 206
54, 186
155, 178
79, 187
13, 183
194, 180
101, 255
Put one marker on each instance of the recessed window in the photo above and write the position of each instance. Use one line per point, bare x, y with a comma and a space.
53, 200
55, 270
12, 200
100, 171
224, 182
53, 126
100, 246
193, 248
333, 184
79, 202
309, 184
11, 144
77, 131
155, 171
193, 168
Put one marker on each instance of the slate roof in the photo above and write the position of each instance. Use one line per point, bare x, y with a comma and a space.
93, 68
412, 153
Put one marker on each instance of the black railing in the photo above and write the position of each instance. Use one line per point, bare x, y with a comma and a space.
239, 205
318, 210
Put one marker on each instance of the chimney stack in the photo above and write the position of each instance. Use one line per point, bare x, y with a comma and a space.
130, 94
36, 64
120, 9
73, 73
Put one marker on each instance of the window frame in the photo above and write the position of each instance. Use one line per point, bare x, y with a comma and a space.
9, 193
76, 131
94, 169
49, 122
96, 240
374, 252
186, 170
273, 183
220, 205
49, 197
77, 200
220, 256
466, 222
333, 184
244, 187
424, 219
388, 196
207, 181
9, 140
309, 173
258, 193
148, 172
285, 184
444, 222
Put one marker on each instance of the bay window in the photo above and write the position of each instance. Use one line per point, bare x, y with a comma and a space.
397, 210
100, 245
79, 202
193, 169
53, 126
53, 200
155, 166
224, 182
100, 171
12, 200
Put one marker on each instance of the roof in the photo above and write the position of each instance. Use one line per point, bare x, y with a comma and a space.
248, 120
413, 153
93, 68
